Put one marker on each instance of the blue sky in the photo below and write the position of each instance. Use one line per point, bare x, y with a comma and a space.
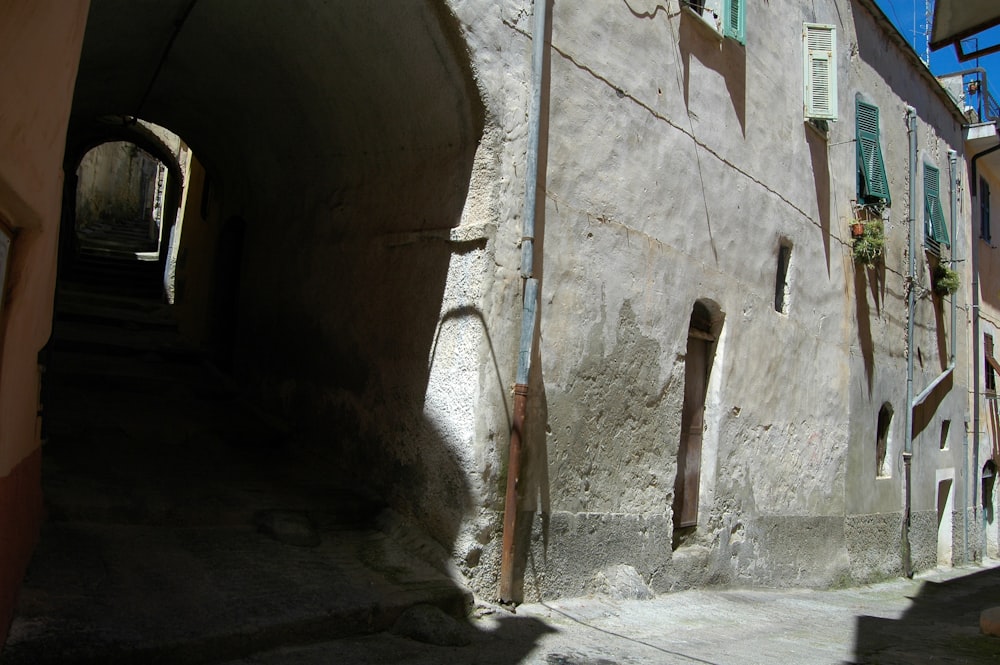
908, 15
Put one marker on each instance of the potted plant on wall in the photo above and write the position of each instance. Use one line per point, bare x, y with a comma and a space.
857, 228
946, 280
869, 246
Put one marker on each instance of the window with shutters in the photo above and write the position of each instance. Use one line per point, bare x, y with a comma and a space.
984, 210
935, 230
873, 186
727, 17
819, 46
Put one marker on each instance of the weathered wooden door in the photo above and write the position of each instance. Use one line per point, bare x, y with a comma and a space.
686, 485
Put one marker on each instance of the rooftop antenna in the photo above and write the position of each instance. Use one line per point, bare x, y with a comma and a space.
927, 33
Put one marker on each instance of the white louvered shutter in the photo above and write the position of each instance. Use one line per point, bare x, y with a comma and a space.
820, 73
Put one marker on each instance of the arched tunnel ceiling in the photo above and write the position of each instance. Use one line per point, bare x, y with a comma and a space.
263, 89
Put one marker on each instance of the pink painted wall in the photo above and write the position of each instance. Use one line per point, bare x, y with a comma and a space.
40, 43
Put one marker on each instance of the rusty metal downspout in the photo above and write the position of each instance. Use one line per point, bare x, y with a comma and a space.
528, 307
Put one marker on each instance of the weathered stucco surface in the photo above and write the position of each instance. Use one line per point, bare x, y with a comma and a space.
674, 164
39, 48
379, 295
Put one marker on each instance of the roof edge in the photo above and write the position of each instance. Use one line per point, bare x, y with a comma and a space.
893, 33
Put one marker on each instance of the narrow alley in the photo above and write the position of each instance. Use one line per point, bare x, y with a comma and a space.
182, 525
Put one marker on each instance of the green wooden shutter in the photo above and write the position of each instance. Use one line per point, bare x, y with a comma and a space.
819, 46
735, 20
872, 182
935, 225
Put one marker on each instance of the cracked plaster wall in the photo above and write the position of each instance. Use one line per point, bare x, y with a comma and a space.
675, 164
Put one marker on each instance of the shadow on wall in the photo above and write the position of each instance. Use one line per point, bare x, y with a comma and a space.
819, 153
942, 622
730, 62
863, 315
924, 414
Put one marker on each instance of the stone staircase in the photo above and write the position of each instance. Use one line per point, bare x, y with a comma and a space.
184, 524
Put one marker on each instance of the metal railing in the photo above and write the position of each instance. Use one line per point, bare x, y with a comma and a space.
974, 95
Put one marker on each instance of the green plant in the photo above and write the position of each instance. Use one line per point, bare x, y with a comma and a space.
946, 280
869, 246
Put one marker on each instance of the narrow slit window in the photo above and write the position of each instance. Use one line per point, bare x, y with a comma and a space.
781, 289
882, 440
991, 366
984, 210
945, 431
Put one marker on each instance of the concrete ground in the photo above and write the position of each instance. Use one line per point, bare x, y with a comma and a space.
933, 619
185, 526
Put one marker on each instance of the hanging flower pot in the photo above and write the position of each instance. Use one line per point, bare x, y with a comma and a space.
868, 247
946, 280
857, 229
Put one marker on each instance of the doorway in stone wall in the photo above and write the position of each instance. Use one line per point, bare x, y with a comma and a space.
697, 367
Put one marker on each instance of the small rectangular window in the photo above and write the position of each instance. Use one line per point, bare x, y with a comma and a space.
984, 210
935, 230
945, 430
873, 186
781, 279
819, 46
990, 368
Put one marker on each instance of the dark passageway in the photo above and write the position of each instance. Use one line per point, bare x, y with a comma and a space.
183, 525
242, 461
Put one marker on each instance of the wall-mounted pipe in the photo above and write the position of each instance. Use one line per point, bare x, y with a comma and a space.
953, 178
528, 308
911, 123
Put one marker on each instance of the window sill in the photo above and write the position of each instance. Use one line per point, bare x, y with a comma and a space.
820, 128
706, 20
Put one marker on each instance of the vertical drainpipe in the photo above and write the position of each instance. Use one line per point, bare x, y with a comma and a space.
953, 179
911, 121
512, 498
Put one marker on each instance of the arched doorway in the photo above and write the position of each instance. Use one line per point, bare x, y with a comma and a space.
703, 330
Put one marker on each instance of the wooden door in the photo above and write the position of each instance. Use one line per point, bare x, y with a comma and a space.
686, 485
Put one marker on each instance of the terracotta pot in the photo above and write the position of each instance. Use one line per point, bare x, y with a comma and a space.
857, 229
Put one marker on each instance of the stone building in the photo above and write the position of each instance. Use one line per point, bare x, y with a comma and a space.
718, 392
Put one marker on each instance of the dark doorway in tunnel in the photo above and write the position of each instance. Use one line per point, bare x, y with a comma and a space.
119, 200
228, 264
